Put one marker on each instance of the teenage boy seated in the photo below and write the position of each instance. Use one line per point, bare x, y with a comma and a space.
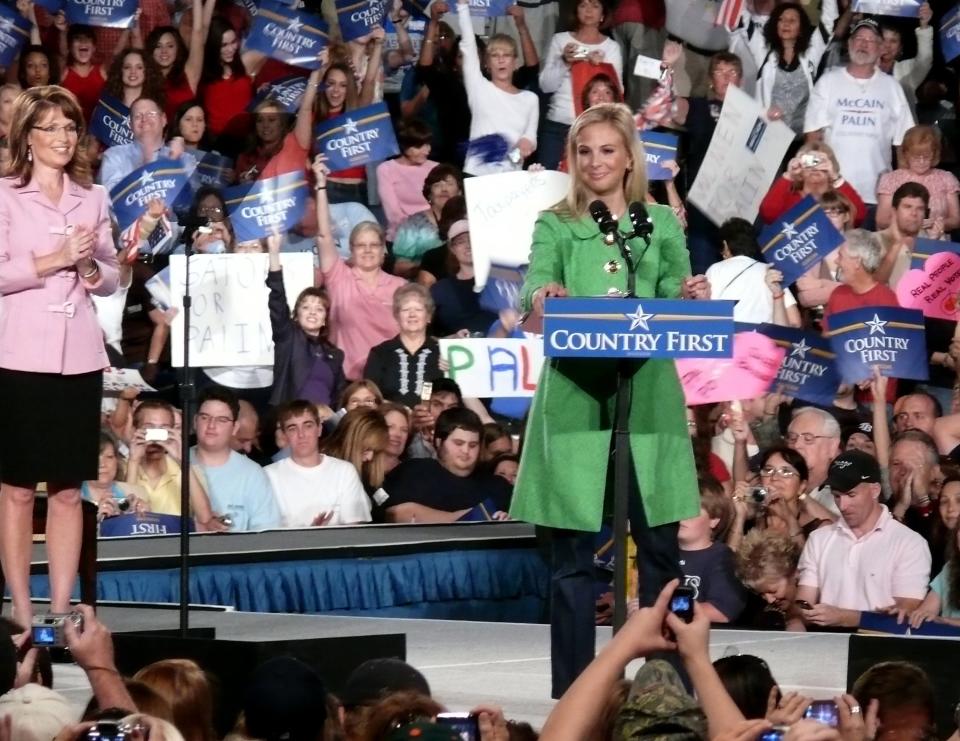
445, 489
707, 563
312, 488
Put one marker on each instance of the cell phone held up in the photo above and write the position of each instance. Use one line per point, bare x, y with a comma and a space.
464, 725
681, 603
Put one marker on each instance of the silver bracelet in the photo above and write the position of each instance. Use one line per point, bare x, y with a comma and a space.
93, 271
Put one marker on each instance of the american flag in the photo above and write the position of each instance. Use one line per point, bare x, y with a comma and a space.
729, 14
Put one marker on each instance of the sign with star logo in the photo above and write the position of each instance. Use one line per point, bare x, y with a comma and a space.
14, 33
799, 240
289, 35
104, 13
890, 338
258, 209
355, 138
637, 328
658, 149
163, 179
808, 370
950, 34
359, 17
286, 93
110, 122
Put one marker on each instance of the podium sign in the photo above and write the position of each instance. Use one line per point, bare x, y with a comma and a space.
637, 328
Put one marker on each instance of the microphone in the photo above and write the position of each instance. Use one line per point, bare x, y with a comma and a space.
640, 219
601, 214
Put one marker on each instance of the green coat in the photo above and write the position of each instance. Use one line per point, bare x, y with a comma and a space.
563, 471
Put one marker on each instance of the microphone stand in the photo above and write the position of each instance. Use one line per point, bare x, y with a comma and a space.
626, 369
187, 392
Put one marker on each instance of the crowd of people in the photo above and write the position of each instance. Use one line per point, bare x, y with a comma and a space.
808, 516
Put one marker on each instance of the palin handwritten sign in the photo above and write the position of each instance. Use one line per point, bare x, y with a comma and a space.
106, 13
286, 93
360, 136
933, 289
659, 148
14, 33
890, 338
808, 370
110, 122
276, 204
289, 35
923, 249
746, 375
485, 368
799, 239
489, 8
359, 17
950, 35
229, 319
163, 179
637, 328
899, 8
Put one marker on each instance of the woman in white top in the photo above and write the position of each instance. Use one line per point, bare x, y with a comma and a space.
584, 43
496, 106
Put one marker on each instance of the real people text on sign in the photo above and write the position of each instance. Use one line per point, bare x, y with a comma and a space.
229, 320
493, 367
934, 288
748, 374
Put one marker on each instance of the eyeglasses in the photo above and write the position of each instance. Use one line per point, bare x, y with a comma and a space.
782, 472
146, 116
207, 419
835, 211
207, 210
68, 129
808, 438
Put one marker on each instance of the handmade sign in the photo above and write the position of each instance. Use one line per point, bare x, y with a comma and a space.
163, 179
289, 35
491, 367
106, 13
799, 239
229, 320
263, 207
933, 290
659, 149
889, 338
359, 17
363, 135
14, 33
110, 122
749, 373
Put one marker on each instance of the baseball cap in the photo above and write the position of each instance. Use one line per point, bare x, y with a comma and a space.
863, 427
658, 708
866, 23
375, 679
850, 468
285, 701
38, 713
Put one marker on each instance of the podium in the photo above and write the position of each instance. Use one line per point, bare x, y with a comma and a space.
633, 330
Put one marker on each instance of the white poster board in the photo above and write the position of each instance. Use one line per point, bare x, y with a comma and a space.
742, 160
229, 318
502, 210
489, 368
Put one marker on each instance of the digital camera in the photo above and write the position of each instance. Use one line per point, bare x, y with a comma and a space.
50, 630
759, 494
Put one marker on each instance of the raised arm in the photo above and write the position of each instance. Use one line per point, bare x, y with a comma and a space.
472, 76
531, 58
427, 49
326, 247
193, 68
30, 13
303, 130
374, 67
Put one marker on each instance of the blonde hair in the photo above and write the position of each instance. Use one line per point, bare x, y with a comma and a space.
360, 429
28, 108
183, 684
617, 115
916, 137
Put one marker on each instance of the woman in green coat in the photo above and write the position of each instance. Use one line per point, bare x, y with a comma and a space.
564, 473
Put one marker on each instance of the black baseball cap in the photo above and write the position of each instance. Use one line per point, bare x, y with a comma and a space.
850, 468
285, 701
375, 679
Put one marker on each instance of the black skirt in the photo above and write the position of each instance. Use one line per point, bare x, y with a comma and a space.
51, 427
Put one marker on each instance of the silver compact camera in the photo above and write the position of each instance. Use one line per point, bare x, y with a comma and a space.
581, 52
809, 160
759, 494
50, 630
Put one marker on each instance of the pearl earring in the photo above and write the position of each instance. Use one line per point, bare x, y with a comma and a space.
29, 154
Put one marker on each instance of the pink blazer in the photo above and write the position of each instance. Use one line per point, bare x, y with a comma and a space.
48, 324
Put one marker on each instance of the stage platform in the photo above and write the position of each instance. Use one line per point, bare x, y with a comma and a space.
468, 663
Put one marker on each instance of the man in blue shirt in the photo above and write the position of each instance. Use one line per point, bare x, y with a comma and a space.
238, 488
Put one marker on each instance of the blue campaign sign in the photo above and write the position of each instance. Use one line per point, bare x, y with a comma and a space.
637, 328
287, 92
799, 239
888, 337
51, 6
808, 370
14, 33
659, 148
363, 135
289, 35
163, 179
213, 170
502, 290
950, 35
260, 208
924, 248
417, 8
149, 523
489, 8
107, 13
110, 122
899, 8
359, 17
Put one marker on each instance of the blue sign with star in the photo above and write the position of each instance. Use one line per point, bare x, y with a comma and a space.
924, 248
163, 179
799, 239
14, 33
357, 137
950, 35
110, 122
658, 149
105, 13
887, 337
808, 370
898, 8
291, 36
287, 92
259, 209
637, 328
359, 17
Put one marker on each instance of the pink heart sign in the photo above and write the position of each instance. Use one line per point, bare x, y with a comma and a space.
748, 374
934, 289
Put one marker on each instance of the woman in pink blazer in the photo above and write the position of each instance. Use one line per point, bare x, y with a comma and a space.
56, 248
